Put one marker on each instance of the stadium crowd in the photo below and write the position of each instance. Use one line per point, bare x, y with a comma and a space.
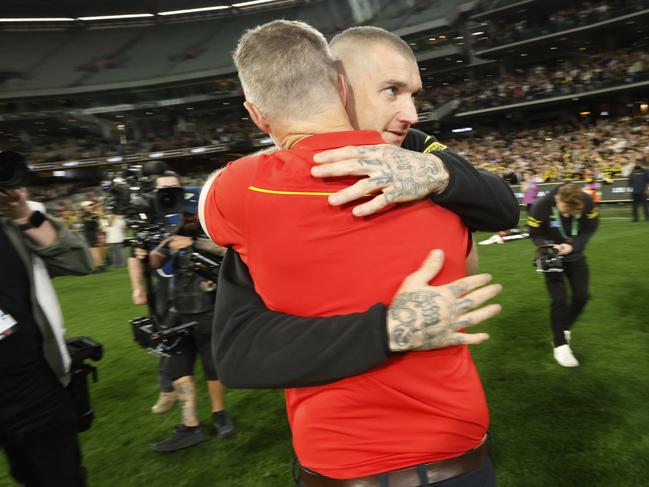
171, 130
607, 149
504, 31
598, 152
140, 136
595, 71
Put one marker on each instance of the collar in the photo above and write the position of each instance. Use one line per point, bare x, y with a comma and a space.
334, 140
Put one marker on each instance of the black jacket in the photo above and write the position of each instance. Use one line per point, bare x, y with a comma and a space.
544, 224
255, 347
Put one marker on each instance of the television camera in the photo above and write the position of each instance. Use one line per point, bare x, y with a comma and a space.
132, 193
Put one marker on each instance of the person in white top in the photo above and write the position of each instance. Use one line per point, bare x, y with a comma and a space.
115, 239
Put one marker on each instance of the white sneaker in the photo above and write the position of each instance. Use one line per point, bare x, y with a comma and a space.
567, 334
564, 357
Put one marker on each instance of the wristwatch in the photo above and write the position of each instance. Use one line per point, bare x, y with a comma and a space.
36, 219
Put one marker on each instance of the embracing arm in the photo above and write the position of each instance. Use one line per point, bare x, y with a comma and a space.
256, 347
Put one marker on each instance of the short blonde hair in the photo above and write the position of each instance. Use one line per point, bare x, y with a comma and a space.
286, 69
369, 34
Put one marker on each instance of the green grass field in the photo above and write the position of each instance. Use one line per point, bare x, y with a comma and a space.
551, 426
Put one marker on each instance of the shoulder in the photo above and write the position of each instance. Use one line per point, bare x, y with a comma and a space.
233, 175
418, 141
540, 210
246, 164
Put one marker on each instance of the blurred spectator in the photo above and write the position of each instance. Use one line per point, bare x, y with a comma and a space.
115, 229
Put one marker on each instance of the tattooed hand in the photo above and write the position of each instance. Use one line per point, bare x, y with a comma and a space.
398, 174
423, 317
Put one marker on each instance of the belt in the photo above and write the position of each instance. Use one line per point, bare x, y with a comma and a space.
406, 477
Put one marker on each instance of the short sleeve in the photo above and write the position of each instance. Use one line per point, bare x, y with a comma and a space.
221, 205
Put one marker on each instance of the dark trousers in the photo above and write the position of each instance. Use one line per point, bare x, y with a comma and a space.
481, 477
640, 200
564, 312
164, 380
38, 431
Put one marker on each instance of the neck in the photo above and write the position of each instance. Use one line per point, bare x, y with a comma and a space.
288, 134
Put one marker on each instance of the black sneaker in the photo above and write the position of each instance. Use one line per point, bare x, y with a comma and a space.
223, 424
182, 437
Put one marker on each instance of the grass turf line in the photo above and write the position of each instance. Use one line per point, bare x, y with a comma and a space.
550, 426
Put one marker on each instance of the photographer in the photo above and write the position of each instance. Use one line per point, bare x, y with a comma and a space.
192, 300
162, 178
38, 424
566, 218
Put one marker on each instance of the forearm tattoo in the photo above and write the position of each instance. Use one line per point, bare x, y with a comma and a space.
408, 175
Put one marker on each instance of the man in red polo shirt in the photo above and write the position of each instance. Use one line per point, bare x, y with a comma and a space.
424, 412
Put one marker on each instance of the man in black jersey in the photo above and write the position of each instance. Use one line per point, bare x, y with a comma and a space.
565, 218
38, 425
245, 330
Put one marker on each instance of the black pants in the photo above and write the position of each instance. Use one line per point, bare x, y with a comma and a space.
38, 431
481, 477
564, 313
640, 200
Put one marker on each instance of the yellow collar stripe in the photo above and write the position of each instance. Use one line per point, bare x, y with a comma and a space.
288, 193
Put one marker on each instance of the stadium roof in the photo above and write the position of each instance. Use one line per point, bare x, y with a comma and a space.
75, 9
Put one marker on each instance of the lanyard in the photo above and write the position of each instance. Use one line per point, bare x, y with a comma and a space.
557, 218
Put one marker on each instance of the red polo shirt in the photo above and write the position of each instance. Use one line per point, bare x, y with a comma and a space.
311, 259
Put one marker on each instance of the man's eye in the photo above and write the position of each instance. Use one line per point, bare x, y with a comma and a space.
393, 90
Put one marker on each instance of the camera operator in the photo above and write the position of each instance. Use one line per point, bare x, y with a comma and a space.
566, 218
192, 299
161, 284
38, 424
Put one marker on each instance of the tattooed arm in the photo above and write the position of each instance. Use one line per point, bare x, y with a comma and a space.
422, 168
397, 174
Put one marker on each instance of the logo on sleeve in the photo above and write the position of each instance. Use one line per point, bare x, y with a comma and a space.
435, 146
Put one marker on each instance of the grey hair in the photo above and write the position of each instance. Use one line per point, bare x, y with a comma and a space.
371, 34
286, 69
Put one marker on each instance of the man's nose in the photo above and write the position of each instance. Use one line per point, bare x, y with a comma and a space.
408, 113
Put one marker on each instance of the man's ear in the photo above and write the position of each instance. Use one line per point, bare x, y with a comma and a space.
257, 117
343, 89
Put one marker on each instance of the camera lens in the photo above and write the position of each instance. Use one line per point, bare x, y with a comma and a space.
170, 200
